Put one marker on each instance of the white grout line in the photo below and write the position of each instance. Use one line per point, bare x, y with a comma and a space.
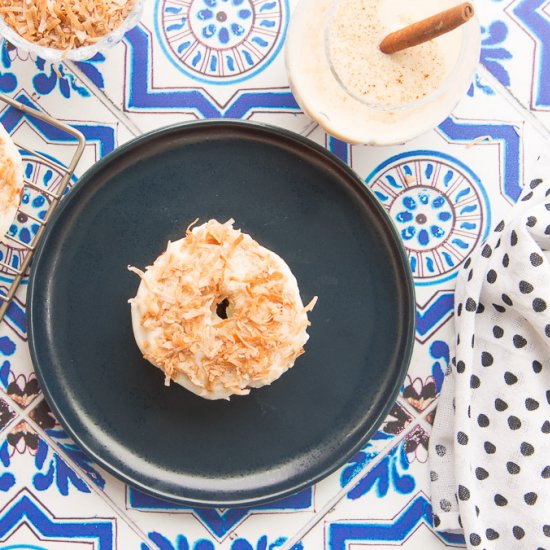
19, 411
514, 102
409, 409
309, 129
330, 504
121, 116
422, 420
24, 415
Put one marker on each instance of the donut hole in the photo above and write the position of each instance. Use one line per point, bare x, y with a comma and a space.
222, 309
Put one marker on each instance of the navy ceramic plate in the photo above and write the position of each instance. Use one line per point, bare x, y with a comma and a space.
295, 198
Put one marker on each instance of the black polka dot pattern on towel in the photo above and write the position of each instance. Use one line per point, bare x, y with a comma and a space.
475, 539
526, 449
519, 341
481, 473
494, 425
536, 259
500, 404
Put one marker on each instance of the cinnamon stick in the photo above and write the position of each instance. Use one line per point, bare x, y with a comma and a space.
428, 28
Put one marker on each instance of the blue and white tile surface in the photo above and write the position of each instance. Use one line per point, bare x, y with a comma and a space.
185, 61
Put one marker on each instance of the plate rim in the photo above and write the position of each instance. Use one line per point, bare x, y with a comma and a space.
358, 184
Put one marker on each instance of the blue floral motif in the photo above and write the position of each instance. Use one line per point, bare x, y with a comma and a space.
219, 24
182, 543
81, 459
262, 544
7, 348
391, 471
46, 81
358, 461
477, 84
7, 479
412, 219
24, 228
437, 203
90, 69
439, 350
52, 469
8, 80
493, 54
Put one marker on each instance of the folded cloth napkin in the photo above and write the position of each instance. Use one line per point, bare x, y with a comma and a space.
490, 444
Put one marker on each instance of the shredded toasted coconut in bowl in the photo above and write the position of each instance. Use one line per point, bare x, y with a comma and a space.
64, 24
176, 312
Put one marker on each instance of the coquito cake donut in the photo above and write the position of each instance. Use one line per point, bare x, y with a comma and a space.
11, 180
218, 313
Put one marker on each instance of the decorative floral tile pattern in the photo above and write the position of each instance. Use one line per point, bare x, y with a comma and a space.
396, 493
7, 414
38, 489
194, 59
521, 70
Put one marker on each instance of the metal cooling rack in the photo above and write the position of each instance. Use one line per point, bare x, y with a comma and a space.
54, 197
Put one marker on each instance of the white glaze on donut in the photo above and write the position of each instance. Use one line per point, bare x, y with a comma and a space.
11, 180
175, 322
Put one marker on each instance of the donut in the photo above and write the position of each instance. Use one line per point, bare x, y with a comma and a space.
218, 313
11, 180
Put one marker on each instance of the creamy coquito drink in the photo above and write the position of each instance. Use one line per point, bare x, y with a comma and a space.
341, 78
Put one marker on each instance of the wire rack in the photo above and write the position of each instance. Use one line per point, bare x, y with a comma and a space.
53, 197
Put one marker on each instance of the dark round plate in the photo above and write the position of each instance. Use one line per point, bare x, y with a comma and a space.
295, 198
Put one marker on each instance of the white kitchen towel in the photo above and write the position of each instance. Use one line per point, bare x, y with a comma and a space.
490, 444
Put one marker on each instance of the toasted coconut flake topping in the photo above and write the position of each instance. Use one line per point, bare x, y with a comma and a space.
64, 24
265, 326
12, 186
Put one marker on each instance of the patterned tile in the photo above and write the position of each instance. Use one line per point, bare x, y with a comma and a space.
389, 506
21, 70
188, 60
17, 378
259, 534
521, 70
58, 92
409, 529
196, 59
168, 523
7, 414
39, 491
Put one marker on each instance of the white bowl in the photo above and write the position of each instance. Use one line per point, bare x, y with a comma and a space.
74, 54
